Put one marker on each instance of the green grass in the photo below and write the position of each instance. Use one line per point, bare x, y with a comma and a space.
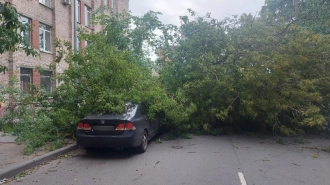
158, 141
302, 141
316, 156
186, 136
7, 128
279, 141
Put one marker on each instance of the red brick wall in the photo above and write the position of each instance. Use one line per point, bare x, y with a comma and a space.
82, 44
110, 3
82, 13
35, 34
122, 5
36, 77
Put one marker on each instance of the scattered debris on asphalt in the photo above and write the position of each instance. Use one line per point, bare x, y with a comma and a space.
137, 177
295, 164
156, 163
3, 181
177, 147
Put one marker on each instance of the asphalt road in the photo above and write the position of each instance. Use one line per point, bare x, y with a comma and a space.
236, 160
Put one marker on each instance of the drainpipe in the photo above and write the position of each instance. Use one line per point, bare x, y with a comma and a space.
53, 45
11, 102
75, 25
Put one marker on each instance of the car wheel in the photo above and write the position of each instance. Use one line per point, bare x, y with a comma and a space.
144, 143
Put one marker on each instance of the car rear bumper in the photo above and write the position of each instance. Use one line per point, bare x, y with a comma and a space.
127, 139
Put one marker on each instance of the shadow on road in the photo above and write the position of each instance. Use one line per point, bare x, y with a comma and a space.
108, 153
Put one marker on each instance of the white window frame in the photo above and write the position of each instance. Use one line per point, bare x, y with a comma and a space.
42, 36
87, 43
28, 72
88, 12
106, 3
45, 2
28, 32
78, 43
113, 6
45, 75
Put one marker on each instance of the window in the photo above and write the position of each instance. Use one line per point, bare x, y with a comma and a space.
87, 42
106, 3
114, 9
78, 43
44, 37
25, 80
45, 2
87, 15
46, 81
78, 12
27, 34
143, 109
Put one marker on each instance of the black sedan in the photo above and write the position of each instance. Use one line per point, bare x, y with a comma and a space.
131, 129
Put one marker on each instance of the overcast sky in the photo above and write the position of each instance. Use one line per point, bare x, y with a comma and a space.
172, 9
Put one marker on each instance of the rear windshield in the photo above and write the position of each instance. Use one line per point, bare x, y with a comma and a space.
130, 109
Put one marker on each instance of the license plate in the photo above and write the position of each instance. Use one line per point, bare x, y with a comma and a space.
103, 128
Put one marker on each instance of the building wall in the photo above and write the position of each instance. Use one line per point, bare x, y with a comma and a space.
123, 5
3, 76
63, 24
37, 13
61, 19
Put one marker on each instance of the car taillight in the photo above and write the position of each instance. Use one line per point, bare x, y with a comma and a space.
87, 126
129, 126
121, 126
84, 126
125, 126
80, 126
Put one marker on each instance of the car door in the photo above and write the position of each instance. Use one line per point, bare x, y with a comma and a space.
153, 123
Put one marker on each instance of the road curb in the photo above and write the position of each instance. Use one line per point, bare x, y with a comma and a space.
13, 170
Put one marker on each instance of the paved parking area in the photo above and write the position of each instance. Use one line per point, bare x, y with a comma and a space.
11, 153
237, 160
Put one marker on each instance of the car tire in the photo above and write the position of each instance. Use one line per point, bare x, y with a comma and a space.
144, 143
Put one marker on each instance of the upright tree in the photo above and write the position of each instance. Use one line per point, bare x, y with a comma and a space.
310, 14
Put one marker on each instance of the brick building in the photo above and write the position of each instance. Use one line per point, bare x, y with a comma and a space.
49, 19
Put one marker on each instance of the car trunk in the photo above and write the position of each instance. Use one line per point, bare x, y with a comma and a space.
102, 125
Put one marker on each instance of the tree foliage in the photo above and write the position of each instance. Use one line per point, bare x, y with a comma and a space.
266, 72
114, 69
311, 15
10, 30
244, 73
